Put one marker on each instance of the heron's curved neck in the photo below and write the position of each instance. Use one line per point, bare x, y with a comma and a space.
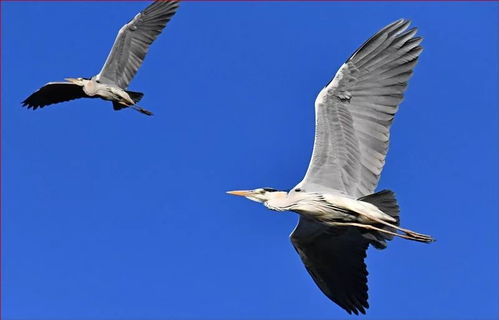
89, 86
298, 202
279, 202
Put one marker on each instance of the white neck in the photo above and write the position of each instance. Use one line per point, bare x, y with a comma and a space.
299, 202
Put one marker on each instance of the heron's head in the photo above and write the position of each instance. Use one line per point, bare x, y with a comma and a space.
77, 81
260, 195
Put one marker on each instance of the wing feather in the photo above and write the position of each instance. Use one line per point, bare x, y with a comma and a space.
133, 41
355, 110
54, 92
335, 260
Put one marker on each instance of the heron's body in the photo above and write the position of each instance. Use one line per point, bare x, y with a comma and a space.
328, 208
340, 212
122, 63
109, 92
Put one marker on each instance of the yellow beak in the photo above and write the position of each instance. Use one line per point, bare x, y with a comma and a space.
70, 80
242, 193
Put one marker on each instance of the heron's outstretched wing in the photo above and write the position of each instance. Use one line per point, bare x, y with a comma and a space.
54, 92
335, 260
355, 110
133, 41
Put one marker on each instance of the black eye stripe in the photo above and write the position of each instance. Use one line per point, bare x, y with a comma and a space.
270, 189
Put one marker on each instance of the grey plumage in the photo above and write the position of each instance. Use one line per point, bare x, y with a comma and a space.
355, 110
126, 57
354, 113
340, 215
133, 41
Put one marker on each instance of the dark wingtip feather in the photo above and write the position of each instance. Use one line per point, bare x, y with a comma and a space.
397, 26
28, 105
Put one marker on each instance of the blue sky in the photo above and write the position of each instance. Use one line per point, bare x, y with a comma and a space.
115, 215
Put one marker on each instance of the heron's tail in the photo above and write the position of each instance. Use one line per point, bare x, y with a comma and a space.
381, 231
136, 96
386, 202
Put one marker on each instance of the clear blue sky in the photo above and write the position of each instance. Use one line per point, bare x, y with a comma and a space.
115, 215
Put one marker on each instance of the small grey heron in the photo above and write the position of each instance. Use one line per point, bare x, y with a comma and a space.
122, 63
340, 214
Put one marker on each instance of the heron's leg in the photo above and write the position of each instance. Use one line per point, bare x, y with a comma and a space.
371, 227
406, 231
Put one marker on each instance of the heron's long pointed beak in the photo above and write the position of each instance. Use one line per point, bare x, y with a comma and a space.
242, 193
73, 80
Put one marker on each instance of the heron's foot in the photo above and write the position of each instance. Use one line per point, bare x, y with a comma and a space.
142, 110
146, 112
419, 236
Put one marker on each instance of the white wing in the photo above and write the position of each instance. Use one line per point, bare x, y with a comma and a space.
133, 41
355, 110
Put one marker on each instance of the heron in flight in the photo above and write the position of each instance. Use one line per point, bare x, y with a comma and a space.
122, 63
340, 212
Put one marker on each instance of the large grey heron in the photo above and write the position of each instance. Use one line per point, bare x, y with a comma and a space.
122, 63
340, 214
